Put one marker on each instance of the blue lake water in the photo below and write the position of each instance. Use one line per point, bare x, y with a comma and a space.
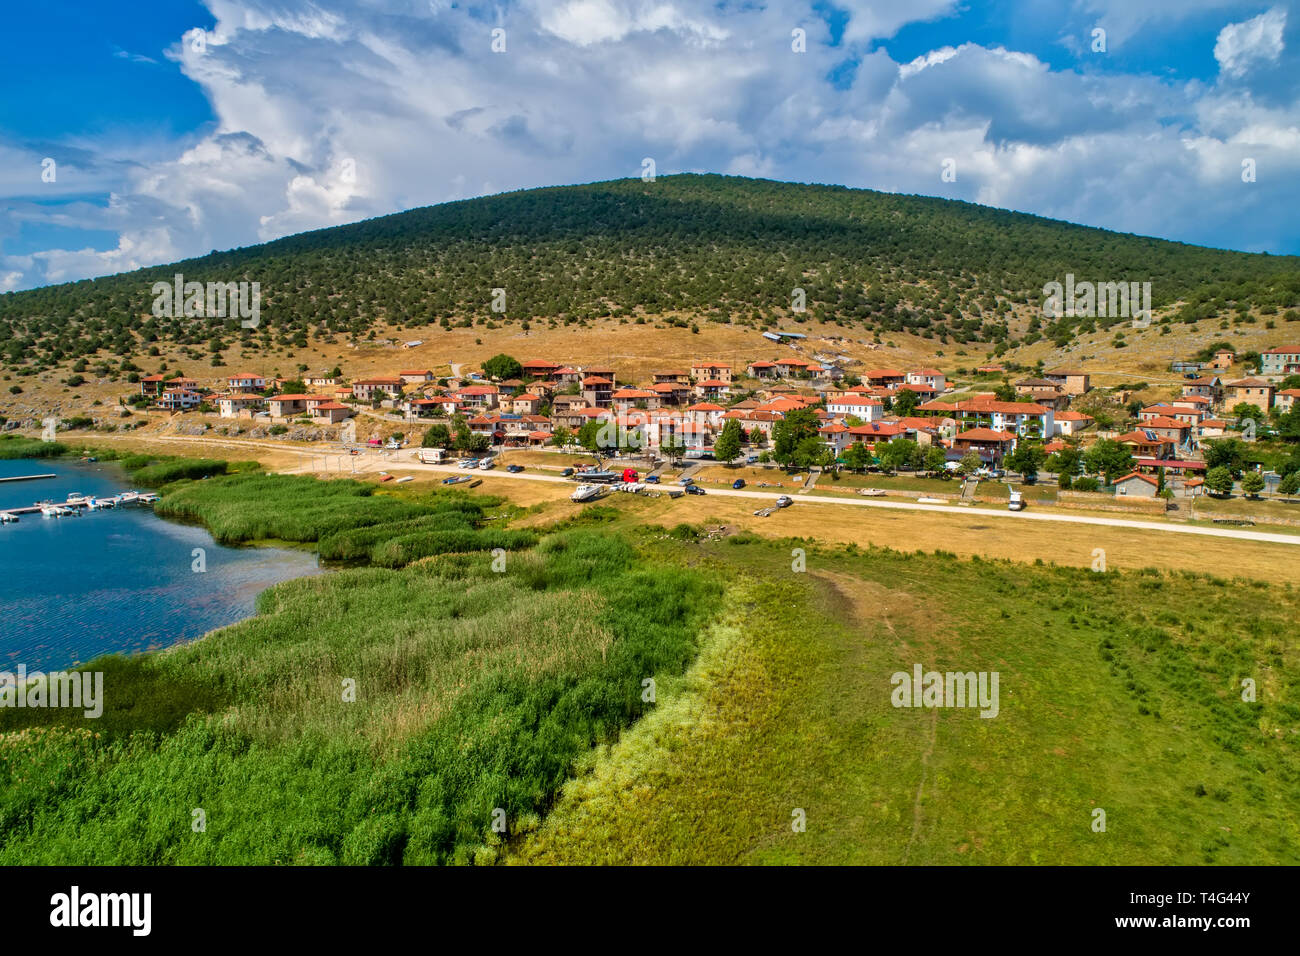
120, 580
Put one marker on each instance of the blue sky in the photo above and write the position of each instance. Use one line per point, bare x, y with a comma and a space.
176, 128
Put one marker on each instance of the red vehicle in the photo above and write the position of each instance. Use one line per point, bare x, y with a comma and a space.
629, 474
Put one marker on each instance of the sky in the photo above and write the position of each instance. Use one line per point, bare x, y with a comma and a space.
142, 133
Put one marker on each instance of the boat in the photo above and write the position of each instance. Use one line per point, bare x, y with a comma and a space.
872, 492
48, 510
585, 493
1016, 501
7, 518
405, 478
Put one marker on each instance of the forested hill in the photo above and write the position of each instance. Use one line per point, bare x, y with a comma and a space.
711, 247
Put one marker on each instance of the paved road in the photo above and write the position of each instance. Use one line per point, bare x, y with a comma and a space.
401, 462
1027, 515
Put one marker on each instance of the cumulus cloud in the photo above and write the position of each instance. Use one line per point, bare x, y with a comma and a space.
344, 109
1241, 46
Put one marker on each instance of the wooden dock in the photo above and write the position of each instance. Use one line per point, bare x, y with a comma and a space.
27, 477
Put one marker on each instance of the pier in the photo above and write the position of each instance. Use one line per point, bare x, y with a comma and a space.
27, 477
78, 502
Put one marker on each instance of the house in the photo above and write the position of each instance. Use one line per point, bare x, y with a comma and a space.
536, 368
179, 399
626, 398
928, 376
671, 377
713, 388
705, 413
711, 372
673, 393
413, 344
1069, 381
754, 420
230, 406
320, 381
762, 370
991, 444
867, 409
152, 385
793, 367
598, 391
286, 406
330, 413
1193, 487
1223, 358
1208, 386
872, 432
924, 393
245, 382
412, 376
421, 407
1023, 419
1030, 385
565, 402
1249, 391
1072, 423
1285, 400
1283, 361
1136, 485
367, 389
884, 377
835, 435
1189, 415
478, 396
1211, 428
1143, 444
1164, 427
525, 403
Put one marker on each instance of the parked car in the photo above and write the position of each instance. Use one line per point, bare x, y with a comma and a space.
785, 501
514, 469
567, 472
738, 483
694, 490
752, 460
652, 479
685, 481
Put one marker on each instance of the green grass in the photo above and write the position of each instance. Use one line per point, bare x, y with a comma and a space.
1118, 691
476, 688
16, 446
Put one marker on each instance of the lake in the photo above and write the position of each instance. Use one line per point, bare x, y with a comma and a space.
120, 580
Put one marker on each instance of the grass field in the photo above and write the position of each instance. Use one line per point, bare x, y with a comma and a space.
1118, 692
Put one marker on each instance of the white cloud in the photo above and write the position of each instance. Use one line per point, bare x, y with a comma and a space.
1258, 40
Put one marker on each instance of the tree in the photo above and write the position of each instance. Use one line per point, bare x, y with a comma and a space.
1244, 411
809, 452
933, 459
1108, 457
438, 436
905, 402
1026, 458
1252, 483
561, 436
502, 367
896, 453
797, 425
1218, 481
1005, 393
856, 457
671, 446
1290, 484
971, 462
1065, 462
727, 446
1227, 453
589, 435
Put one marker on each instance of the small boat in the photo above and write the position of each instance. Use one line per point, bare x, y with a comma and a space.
585, 493
7, 518
48, 510
147, 499
872, 492
405, 478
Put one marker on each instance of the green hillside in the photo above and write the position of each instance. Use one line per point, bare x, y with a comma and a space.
725, 249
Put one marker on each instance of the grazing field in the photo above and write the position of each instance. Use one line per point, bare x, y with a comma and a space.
1119, 692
